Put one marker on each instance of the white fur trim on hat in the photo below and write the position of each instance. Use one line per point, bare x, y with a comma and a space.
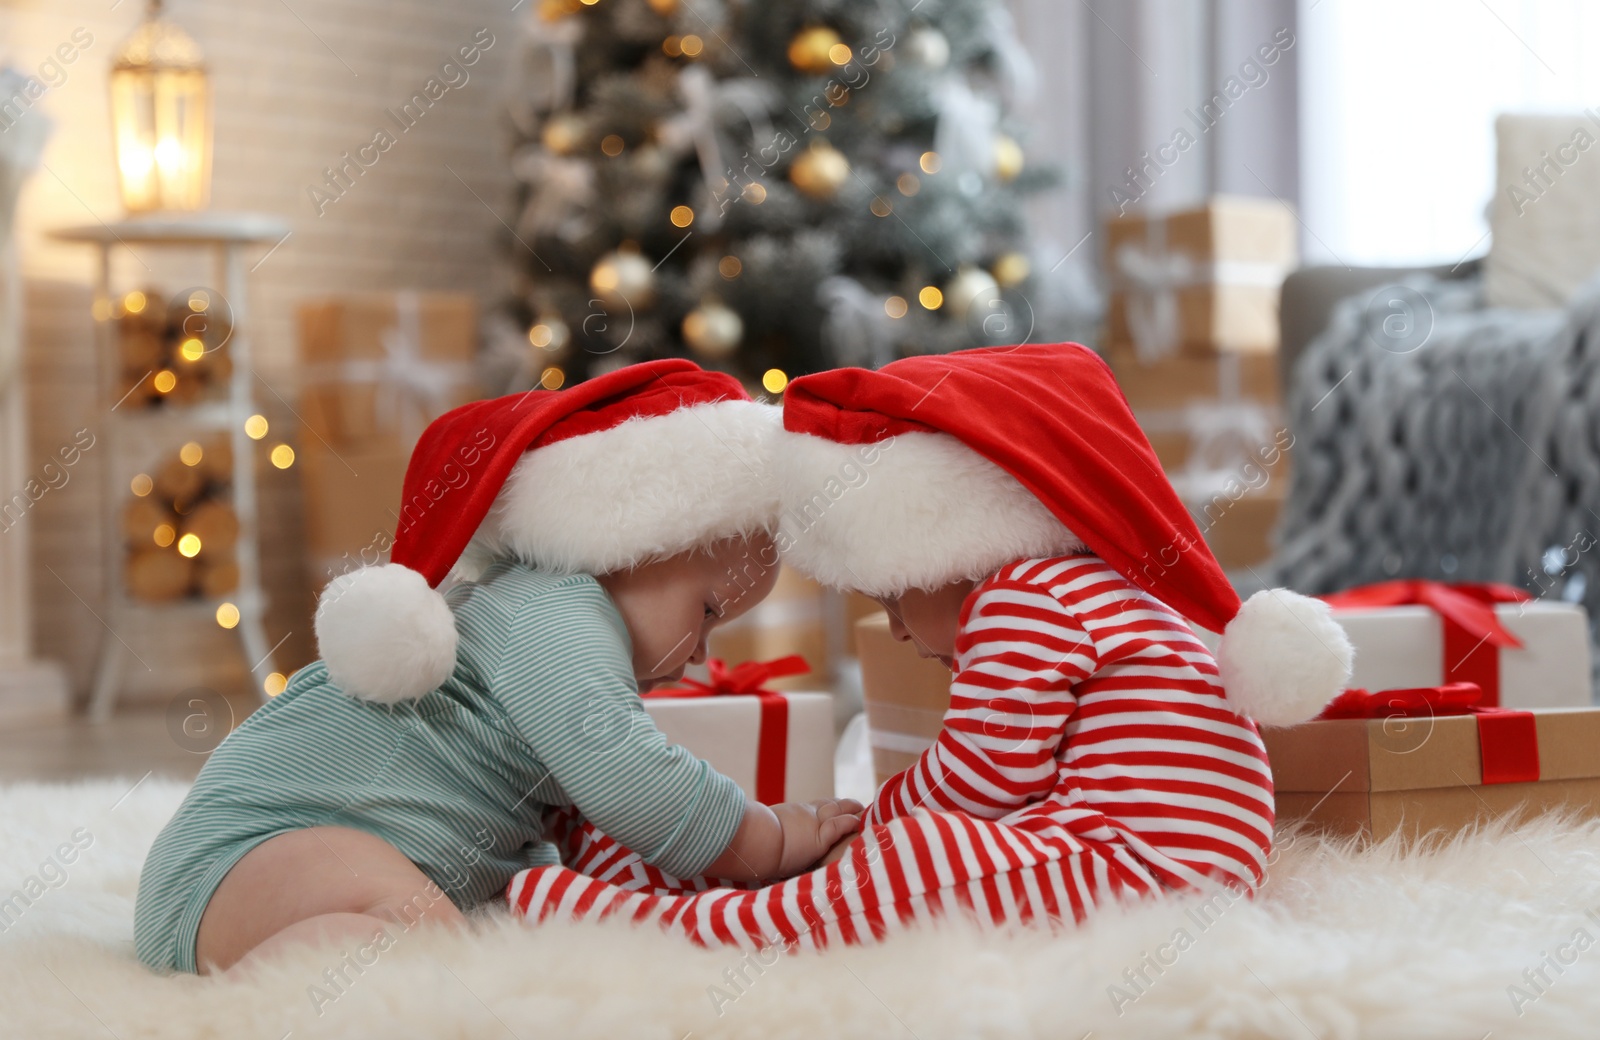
917, 511
1283, 658
385, 634
646, 488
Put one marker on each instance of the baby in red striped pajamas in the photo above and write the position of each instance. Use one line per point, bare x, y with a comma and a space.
1005, 508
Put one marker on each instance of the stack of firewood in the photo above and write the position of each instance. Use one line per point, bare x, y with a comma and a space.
172, 353
180, 526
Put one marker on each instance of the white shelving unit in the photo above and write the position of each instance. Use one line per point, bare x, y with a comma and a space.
229, 237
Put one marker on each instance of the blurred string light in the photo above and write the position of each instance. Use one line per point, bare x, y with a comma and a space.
275, 684
930, 162
612, 145
682, 216
134, 302
191, 453
774, 379
164, 381
164, 534
141, 484
189, 545
282, 456
729, 267
930, 297
552, 378
255, 427
895, 306
227, 615
192, 349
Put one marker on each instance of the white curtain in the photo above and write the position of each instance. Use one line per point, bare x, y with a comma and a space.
1120, 78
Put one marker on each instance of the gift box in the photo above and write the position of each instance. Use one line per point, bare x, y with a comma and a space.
351, 502
777, 746
1179, 380
1522, 652
1238, 523
377, 368
791, 621
1200, 281
1175, 399
906, 697
1432, 761
382, 365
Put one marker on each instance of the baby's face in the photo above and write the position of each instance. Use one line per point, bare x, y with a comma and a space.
929, 619
670, 606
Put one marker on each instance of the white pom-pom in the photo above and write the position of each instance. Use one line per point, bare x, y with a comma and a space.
385, 634
1283, 658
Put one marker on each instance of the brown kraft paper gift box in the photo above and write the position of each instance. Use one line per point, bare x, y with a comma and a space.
353, 458
1417, 776
791, 620
906, 697
1239, 248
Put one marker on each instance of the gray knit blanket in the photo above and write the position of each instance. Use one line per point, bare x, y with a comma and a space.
1437, 438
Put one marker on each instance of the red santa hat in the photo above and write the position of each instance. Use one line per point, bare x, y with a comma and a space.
640, 463
947, 467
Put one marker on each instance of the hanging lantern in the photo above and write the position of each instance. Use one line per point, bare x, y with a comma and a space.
161, 118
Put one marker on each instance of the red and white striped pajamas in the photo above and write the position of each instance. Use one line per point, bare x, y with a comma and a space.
1088, 754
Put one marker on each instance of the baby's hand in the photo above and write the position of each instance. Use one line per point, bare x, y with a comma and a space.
839, 851
811, 829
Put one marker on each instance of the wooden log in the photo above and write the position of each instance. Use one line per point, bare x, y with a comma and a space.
215, 524
141, 517
177, 482
159, 575
218, 579
217, 465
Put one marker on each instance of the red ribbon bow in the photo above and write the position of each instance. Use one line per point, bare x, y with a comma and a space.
1507, 739
1473, 635
745, 679
749, 679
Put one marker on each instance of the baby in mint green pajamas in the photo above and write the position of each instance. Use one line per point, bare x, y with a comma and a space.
403, 778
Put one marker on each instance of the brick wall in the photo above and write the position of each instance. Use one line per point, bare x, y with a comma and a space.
295, 85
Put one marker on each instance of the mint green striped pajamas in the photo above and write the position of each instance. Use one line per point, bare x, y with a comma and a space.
542, 711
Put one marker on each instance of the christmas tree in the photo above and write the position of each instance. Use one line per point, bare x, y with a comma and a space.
770, 187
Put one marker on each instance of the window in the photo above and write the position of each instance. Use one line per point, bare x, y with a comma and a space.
1398, 100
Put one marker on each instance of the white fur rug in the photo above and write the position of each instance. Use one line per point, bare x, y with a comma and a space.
1342, 943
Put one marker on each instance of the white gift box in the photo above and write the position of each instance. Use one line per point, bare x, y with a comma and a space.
1404, 648
725, 730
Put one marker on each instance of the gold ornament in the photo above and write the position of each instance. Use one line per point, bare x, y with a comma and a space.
1007, 158
810, 49
1011, 269
563, 133
929, 48
712, 330
624, 278
971, 288
556, 10
820, 171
